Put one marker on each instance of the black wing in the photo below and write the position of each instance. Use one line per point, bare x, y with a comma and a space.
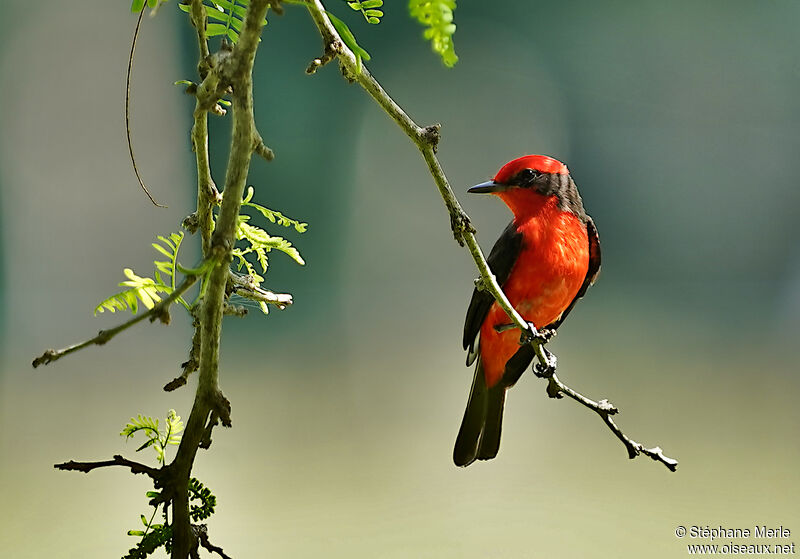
591, 273
501, 260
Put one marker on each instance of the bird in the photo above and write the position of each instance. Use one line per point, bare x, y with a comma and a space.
544, 261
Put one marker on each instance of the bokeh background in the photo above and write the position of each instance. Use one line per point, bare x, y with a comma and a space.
679, 122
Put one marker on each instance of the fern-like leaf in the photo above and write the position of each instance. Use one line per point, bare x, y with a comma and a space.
369, 9
208, 501
160, 535
226, 18
255, 242
148, 290
141, 423
437, 17
141, 289
174, 427
272, 215
262, 242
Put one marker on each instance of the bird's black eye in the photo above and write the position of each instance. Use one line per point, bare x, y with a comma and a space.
527, 176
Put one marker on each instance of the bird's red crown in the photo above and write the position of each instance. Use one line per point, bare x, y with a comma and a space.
541, 163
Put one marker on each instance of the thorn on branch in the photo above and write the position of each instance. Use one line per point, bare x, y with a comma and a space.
431, 135
261, 149
190, 365
460, 225
175, 383
162, 316
213, 421
191, 223
331, 51
222, 407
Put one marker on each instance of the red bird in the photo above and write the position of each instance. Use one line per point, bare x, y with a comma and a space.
544, 260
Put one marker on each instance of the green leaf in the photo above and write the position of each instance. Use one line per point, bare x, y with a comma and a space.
349, 39
277, 217
141, 423
137, 6
437, 18
215, 29
371, 4
260, 239
230, 16
149, 442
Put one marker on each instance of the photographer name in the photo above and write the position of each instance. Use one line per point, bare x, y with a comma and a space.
764, 532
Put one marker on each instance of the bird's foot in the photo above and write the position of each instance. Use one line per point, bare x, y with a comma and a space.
543, 336
546, 371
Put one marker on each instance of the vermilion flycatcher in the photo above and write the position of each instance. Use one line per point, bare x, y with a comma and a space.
544, 260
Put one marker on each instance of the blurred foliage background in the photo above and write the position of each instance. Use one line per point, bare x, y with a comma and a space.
679, 123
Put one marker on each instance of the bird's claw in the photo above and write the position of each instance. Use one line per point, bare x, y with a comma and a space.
543, 336
546, 371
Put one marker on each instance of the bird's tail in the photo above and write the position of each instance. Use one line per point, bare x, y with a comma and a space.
479, 436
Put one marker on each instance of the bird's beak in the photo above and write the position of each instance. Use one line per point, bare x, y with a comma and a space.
489, 187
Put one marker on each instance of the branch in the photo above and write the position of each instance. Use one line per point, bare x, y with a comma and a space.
426, 139
190, 365
207, 94
201, 532
158, 312
229, 68
605, 409
199, 18
118, 460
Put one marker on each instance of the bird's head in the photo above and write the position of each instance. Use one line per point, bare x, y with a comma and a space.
525, 183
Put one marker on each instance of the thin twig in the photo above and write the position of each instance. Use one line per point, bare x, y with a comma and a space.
86, 467
426, 139
158, 312
201, 532
605, 409
199, 18
206, 98
128, 109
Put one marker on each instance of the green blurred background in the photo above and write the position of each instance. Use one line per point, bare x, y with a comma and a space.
679, 122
